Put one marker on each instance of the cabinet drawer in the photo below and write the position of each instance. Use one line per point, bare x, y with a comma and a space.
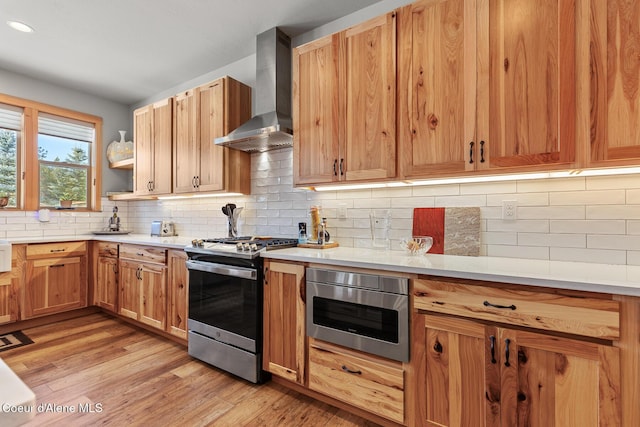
368, 382
143, 253
574, 313
56, 250
108, 249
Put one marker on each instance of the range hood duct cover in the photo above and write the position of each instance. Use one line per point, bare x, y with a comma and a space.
271, 127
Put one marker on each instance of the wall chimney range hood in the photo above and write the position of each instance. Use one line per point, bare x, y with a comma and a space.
271, 127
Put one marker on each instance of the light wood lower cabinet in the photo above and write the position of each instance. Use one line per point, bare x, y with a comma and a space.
105, 289
469, 371
365, 381
284, 347
143, 285
178, 294
55, 278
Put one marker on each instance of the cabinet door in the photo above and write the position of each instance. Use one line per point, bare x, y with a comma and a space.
162, 136
186, 148
143, 150
316, 112
153, 295
284, 314
7, 300
437, 85
614, 73
210, 108
129, 289
54, 285
106, 289
449, 365
549, 381
369, 95
178, 304
526, 83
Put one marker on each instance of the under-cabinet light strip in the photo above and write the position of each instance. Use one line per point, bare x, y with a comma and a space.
484, 178
199, 196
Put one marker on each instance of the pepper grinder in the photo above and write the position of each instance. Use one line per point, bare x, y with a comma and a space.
322, 230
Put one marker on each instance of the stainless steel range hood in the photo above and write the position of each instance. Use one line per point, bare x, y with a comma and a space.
272, 126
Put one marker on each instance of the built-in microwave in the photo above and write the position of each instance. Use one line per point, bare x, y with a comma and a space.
364, 312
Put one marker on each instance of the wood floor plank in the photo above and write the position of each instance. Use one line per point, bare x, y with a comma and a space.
137, 378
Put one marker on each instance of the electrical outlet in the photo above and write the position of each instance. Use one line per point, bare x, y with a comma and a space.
509, 210
342, 211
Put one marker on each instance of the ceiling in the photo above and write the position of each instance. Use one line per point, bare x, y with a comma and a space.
129, 50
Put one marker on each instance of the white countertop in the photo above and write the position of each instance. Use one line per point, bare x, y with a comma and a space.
614, 279
175, 242
17, 401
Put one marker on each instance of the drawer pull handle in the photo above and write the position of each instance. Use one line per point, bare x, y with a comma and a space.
56, 266
344, 368
57, 250
492, 338
141, 254
506, 352
488, 304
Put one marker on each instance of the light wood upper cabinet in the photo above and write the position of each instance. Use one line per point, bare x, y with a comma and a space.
436, 87
345, 105
153, 144
201, 115
487, 85
615, 75
284, 344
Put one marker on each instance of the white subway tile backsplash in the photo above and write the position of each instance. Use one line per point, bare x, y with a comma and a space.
587, 226
550, 185
553, 240
610, 212
470, 200
593, 219
528, 225
608, 197
613, 182
529, 252
523, 199
588, 255
546, 212
625, 243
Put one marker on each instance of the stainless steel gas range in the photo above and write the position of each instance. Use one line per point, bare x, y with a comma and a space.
225, 302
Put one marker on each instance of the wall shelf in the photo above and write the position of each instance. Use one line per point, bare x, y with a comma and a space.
122, 164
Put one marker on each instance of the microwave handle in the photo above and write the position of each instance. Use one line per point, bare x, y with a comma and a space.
225, 270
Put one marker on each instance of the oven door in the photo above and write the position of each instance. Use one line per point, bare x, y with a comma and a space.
370, 321
225, 303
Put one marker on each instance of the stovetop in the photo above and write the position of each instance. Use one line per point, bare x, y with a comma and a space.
239, 247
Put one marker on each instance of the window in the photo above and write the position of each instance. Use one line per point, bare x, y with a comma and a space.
64, 150
48, 154
10, 136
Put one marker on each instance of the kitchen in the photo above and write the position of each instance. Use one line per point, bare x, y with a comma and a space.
589, 219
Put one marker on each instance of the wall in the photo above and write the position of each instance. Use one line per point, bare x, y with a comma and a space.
114, 116
592, 219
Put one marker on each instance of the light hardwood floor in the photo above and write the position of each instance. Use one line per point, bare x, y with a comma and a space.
134, 378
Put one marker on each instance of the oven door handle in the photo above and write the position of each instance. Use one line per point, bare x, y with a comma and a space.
225, 270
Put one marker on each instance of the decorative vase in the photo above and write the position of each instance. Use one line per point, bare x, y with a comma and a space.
120, 150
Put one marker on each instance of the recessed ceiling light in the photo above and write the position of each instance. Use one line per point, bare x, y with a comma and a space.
20, 26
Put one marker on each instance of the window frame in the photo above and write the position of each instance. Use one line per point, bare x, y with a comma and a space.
28, 185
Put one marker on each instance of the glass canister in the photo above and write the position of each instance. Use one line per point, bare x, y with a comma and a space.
314, 212
302, 232
380, 221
